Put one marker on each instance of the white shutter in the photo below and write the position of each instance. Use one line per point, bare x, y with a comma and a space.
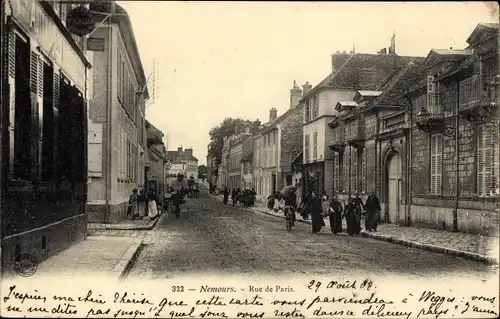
433, 185
480, 161
439, 163
488, 160
363, 171
94, 150
430, 84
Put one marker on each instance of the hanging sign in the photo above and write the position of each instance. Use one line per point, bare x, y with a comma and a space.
80, 21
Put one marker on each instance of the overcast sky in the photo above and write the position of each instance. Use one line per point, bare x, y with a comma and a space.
239, 59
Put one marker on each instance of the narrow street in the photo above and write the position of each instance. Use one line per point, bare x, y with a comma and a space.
214, 239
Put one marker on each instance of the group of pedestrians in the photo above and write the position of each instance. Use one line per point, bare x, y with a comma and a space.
247, 196
142, 204
320, 207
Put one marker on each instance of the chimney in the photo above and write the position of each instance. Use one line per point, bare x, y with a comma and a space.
189, 151
306, 88
392, 48
295, 95
383, 51
338, 59
273, 114
179, 149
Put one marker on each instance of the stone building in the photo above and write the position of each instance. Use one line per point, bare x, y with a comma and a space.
282, 142
235, 153
257, 163
182, 161
454, 137
247, 163
350, 73
117, 133
45, 74
156, 159
369, 140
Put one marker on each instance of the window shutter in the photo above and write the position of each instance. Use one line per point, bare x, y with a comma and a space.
12, 54
439, 163
480, 160
488, 160
430, 84
33, 72
363, 171
433, 165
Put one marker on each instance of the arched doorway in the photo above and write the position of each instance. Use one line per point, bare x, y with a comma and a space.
394, 183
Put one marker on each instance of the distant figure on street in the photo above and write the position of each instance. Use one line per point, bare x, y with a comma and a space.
325, 203
152, 207
143, 202
335, 215
316, 213
372, 207
226, 195
133, 205
352, 214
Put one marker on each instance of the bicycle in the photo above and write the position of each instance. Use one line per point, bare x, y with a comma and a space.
289, 217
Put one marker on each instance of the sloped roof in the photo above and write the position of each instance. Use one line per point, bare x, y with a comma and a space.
369, 93
279, 119
347, 76
393, 91
481, 27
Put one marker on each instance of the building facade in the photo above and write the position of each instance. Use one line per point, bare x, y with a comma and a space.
350, 73
44, 78
183, 162
117, 133
247, 163
257, 164
454, 137
234, 167
369, 140
282, 140
156, 159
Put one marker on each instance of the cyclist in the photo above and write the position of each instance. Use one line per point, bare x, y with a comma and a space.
178, 188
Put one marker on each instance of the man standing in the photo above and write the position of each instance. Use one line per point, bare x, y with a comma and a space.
372, 207
335, 214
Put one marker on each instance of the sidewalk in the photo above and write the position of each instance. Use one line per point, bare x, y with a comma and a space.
476, 247
98, 255
127, 224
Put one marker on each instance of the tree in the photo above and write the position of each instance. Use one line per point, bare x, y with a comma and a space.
225, 129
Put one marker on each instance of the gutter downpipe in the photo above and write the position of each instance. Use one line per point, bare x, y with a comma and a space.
109, 143
457, 160
409, 163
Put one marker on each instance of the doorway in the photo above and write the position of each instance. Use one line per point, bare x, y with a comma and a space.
394, 181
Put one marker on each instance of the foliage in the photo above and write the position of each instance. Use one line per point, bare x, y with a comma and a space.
227, 128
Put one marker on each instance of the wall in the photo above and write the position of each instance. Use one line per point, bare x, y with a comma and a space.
318, 126
291, 138
330, 99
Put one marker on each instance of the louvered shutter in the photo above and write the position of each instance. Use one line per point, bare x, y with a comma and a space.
363, 171
355, 168
56, 96
33, 72
439, 163
12, 104
38, 118
488, 160
480, 160
433, 164
345, 177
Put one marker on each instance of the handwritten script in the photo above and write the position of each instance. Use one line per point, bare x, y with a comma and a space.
327, 299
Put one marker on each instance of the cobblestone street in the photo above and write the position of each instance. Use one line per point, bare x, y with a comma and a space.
213, 238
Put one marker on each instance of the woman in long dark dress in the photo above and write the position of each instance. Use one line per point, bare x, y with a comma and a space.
353, 217
316, 216
372, 207
226, 195
335, 214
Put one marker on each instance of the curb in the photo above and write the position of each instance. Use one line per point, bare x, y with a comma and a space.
436, 249
149, 226
128, 259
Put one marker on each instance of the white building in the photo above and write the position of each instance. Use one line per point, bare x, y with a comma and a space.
182, 161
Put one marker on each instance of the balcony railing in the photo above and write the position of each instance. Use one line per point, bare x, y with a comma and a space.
354, 131
338, 136
470, 92
432, 102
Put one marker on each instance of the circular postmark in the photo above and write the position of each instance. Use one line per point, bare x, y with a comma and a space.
26, 265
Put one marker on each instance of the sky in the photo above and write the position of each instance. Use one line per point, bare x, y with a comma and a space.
239, 59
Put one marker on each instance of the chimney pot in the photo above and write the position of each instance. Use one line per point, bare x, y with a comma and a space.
273, 114
306, 88
295, 95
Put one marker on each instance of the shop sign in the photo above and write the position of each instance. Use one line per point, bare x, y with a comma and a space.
80, 21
